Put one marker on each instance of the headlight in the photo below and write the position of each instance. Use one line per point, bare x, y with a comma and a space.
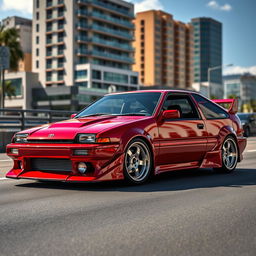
86, 138
21, 138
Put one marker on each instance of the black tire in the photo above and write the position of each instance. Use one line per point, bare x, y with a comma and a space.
138, 162
229, 155
247, 132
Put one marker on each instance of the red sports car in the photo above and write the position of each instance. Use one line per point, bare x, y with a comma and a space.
132, 136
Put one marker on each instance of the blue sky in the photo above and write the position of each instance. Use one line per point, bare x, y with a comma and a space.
238, 18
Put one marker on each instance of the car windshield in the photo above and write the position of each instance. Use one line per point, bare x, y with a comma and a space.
243, 117
141, 104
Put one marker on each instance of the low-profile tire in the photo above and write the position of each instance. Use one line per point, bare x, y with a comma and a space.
138, 162
229, 152
247, 131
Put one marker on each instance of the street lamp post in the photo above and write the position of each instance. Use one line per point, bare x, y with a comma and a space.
209, 75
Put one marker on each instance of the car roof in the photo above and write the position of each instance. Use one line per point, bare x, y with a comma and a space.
156, 90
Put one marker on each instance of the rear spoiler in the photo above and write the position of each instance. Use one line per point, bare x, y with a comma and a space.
231, 105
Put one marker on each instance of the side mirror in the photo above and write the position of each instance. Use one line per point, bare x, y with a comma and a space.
171, 114
73, 115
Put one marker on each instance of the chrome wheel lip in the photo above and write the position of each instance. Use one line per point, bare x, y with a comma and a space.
137, 161
229, 154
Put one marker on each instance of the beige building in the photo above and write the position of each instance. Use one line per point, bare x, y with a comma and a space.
163, 50
24, 27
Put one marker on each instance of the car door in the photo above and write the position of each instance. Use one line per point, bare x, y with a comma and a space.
215, 120
183, 140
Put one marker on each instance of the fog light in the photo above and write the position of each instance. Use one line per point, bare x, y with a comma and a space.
82, 167
80, 152
14, 151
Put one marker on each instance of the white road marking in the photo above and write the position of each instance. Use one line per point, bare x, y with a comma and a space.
251, 150
4, 178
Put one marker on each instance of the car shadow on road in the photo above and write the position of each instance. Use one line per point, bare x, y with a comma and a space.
171, 181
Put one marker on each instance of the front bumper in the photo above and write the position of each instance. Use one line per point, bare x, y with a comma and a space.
105, 161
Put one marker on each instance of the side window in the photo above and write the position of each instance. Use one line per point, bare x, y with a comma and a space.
209, 109
182, 103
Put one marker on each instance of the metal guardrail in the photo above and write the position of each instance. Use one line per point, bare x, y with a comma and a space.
16, 119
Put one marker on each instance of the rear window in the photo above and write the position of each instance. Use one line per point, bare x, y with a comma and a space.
209, 109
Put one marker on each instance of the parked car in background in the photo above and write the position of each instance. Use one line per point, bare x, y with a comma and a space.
248, 121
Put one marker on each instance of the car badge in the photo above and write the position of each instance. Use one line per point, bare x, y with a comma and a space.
51, 135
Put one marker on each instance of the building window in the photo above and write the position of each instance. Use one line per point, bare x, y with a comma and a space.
37, 51
37, 27
142, 22
37, 15
37, 64
37, 3
80, 74
96, 74
48, 3
114, 77
134, 80
37, 40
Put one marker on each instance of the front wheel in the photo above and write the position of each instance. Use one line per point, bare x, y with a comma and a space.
138, 162
229, 155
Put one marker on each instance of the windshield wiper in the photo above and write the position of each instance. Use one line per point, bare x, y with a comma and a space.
131, 114
96, 114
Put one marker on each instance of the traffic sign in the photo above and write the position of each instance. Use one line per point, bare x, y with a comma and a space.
4, 57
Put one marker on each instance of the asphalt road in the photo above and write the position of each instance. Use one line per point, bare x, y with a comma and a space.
181, 213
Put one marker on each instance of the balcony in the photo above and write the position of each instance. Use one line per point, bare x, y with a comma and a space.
112, 56
85, 39
59, 66
82, 51
51, 17
82, 13
113, 44
82, 26
107, 6
113, 32
116, 21
50, 5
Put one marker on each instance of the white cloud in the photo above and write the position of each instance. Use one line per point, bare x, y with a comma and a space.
240, 70
23, 6
145, 5
216, 6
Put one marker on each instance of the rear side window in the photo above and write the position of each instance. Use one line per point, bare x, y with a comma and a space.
209, 109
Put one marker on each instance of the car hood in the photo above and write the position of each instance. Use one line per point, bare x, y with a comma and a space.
68, 129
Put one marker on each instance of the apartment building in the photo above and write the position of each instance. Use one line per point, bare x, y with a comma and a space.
163, 50
84, 43
24, 28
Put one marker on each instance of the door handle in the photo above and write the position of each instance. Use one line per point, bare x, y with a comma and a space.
200, 126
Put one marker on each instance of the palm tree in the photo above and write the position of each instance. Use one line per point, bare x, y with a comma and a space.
10, 37
10, 90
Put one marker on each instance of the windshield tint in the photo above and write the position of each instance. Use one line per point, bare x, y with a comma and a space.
124, 104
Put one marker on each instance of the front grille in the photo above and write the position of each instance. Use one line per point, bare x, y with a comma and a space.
51, 165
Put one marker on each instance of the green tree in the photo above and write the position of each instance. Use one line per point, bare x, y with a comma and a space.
10, 90
10, 38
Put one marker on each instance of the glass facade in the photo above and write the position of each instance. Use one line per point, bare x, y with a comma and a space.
208, 49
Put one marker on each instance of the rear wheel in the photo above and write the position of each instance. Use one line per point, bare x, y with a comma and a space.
138, 162
229, 155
